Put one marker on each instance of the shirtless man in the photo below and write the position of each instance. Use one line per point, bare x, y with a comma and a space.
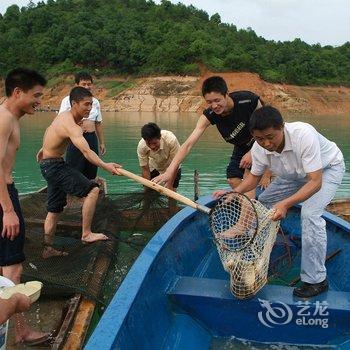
63, 179
23, 89
92, 130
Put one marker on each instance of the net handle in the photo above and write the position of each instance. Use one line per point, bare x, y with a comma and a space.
165, 191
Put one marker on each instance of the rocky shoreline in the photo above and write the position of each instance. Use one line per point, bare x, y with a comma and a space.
183, 94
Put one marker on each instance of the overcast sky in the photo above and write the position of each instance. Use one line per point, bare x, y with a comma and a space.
314, 21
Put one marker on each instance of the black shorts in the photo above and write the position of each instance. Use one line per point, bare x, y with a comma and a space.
155, 173
11, 252
76, 159
62, 180
233, 170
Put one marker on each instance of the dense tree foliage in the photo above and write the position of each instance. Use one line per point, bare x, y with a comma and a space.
139, 37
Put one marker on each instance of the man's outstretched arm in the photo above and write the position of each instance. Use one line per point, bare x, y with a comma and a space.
76, 136
169, 175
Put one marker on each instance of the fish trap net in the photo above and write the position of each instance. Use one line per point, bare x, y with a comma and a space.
128, 219
244, 235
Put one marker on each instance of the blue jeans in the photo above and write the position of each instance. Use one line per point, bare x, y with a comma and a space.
313, 226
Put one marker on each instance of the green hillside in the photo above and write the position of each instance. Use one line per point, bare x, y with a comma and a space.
138, 37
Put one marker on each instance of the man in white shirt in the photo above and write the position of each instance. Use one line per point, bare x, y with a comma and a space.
92, 129
309, 169
156, 150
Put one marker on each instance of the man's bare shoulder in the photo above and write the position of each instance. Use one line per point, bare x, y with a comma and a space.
66, 125
5, 113
6, 117
65, 119
65, 115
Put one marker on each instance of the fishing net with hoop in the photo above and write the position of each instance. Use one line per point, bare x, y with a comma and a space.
244, 235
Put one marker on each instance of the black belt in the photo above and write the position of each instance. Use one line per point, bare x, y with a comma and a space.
52, 160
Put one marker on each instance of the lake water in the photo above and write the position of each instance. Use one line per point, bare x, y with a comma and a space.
122, 131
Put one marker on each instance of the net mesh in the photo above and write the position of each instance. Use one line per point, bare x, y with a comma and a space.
128, 219
244, 235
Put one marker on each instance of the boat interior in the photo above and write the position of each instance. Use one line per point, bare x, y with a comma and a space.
179, 274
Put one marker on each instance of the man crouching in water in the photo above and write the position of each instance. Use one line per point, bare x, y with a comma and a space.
61, 178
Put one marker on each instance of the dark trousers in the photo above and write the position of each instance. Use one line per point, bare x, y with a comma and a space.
233, 170
76, 160
11, 252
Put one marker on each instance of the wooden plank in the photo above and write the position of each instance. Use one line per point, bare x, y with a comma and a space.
136, 219
130, 216
76, 335
62, 224
86, 309
67, 321
196, 184
340, 207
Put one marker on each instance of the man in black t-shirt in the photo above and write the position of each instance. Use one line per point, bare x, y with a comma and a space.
230, 112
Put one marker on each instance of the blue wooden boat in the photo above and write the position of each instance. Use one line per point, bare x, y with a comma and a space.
177, 296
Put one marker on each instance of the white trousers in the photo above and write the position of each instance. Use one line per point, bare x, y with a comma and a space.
313, 226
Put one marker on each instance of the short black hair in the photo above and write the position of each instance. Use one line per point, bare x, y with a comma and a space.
78, 93
214, 84
82, 76
24, 79
265, 117
150, 131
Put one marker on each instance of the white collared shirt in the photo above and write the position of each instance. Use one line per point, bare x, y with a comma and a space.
161, 159
305, 151
95, 113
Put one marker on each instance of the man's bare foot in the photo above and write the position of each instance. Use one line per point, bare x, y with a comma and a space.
31, 338
50, 252
93, 237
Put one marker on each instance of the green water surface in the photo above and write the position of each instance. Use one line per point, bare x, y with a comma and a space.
122, 131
